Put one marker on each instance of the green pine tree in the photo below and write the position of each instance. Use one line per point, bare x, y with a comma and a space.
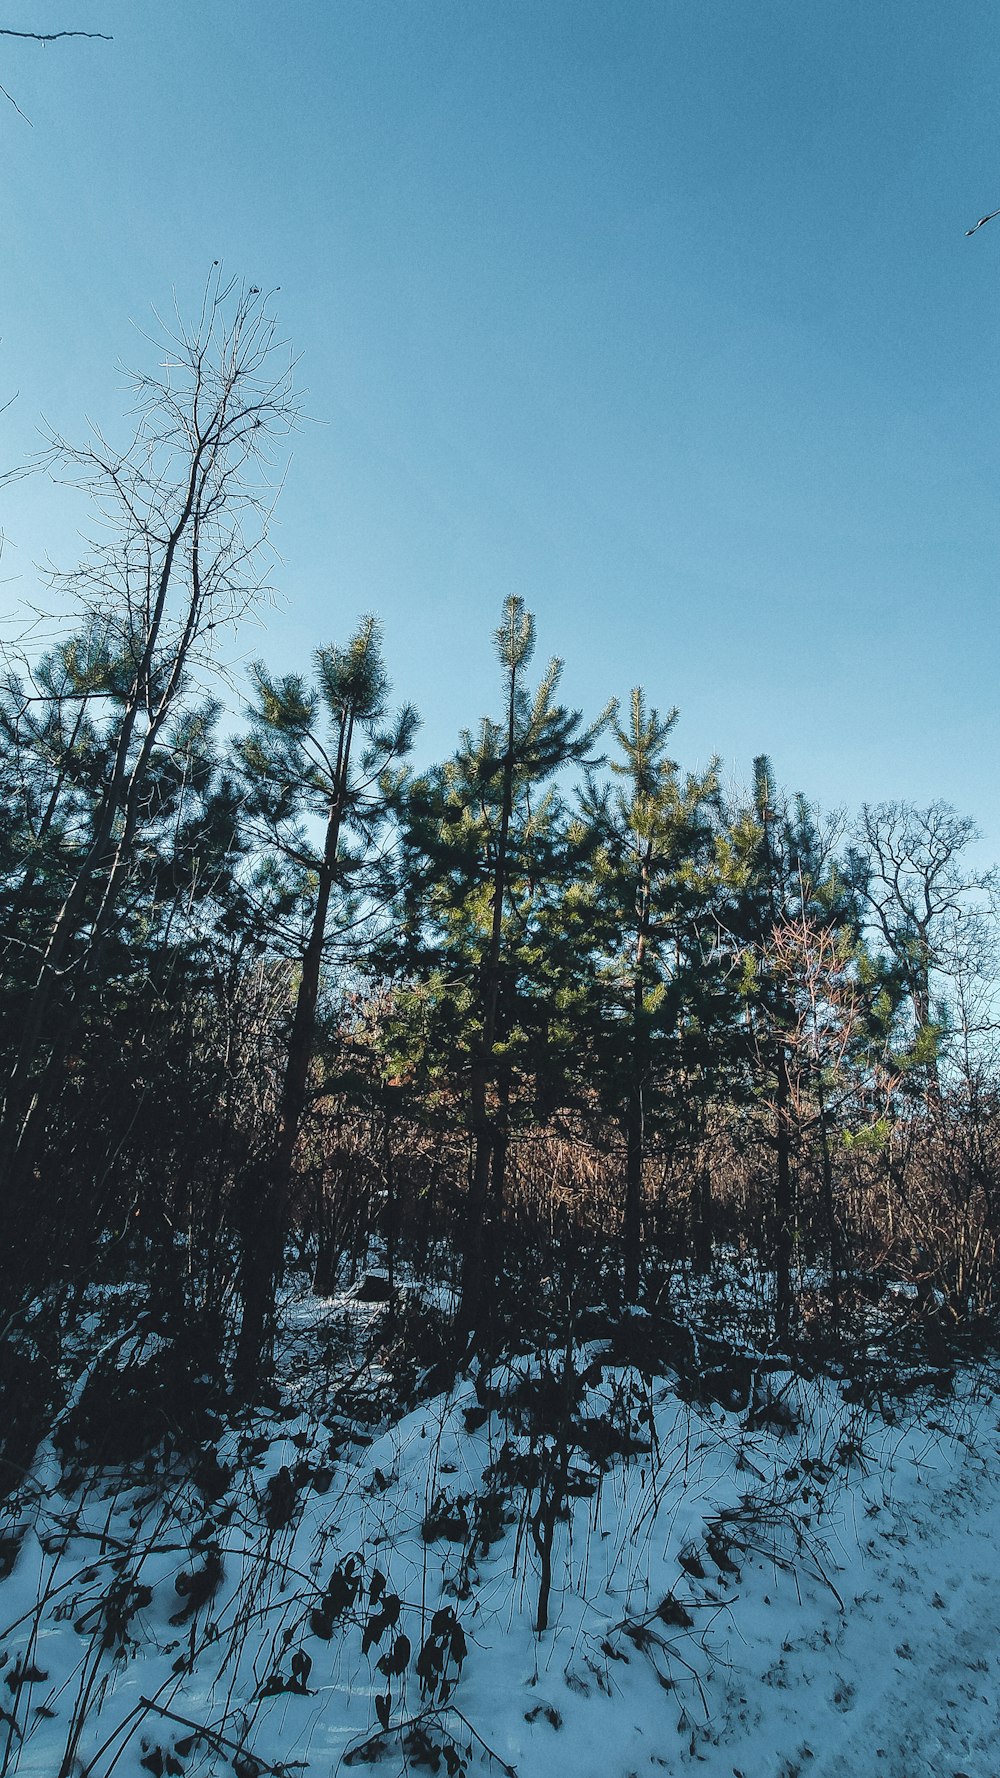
485, 837
324, 758
784, 892
650, 897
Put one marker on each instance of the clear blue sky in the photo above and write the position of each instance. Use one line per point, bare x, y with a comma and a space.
657, 312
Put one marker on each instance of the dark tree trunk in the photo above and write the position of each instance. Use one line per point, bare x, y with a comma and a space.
476, 1293
783, 1206
635, 1110
704, 1220
264, 1231
632, 1219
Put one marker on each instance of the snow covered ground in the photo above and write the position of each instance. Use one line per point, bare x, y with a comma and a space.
794, 1584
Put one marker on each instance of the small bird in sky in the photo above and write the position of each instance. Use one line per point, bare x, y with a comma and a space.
982, 219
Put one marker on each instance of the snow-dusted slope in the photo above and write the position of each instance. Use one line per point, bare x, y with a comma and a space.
809, 1588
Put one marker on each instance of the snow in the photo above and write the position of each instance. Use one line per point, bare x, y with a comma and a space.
813, 1588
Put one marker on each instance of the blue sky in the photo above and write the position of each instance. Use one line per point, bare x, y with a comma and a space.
661, 315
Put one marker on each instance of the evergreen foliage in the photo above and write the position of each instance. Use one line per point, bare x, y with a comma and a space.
486, 844
536, 1022
300, 763
649, 905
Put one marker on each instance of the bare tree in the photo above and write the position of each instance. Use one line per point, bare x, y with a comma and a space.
176, 558
910, 868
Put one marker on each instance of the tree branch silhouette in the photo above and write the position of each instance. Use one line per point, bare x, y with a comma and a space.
43, 37
53, 36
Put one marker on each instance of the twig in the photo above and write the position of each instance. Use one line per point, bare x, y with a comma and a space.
223, 1741
20, 113
785, 1562
511, 1771
644, 1635
53, 36
421, 1721
805, 1543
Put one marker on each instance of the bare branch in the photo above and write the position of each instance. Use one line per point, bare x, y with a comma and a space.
53, 36
17, 107
982, 222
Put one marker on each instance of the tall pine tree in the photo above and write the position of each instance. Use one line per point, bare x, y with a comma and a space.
485, 837
650, 893
320, 764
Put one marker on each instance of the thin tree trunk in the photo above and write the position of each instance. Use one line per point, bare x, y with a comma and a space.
830, 1207
635, 1114
475, 1294
783, 1209
265, 1229
704, 1219
26, 1102
632, 1219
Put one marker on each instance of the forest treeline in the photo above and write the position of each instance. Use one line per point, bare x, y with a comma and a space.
554, 1012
